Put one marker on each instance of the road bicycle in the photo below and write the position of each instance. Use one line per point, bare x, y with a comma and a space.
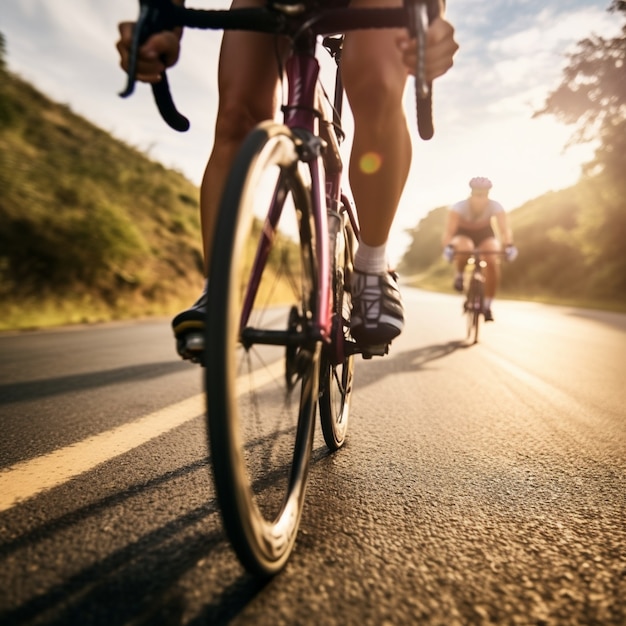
277, 337
474, 290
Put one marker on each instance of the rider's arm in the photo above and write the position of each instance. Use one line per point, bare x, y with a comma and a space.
157, 54
451, 227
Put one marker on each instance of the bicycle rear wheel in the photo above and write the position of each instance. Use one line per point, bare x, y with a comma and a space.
262, 364
337, 365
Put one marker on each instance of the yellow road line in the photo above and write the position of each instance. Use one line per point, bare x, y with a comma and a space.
30, 478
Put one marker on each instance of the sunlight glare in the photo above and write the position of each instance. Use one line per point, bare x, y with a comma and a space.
370, 162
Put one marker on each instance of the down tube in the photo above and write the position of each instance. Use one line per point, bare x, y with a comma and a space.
323, 313
262, 253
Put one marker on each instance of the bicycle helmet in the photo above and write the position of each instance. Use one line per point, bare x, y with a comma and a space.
480, 182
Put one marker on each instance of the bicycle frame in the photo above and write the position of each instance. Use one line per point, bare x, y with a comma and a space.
477, 270
474, 294
301, 116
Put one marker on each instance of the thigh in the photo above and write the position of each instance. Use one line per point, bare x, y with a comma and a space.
248, 70
489, 244
462, 243
371, 59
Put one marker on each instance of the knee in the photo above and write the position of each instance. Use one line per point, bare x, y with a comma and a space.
462, 244
374, 96
374, 89
235, 119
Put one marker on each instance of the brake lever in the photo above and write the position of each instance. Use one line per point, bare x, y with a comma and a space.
154, 16
420, 14
419, 27
140, 34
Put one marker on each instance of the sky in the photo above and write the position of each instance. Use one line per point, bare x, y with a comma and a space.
512, 54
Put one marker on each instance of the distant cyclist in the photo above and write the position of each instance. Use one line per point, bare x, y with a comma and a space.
469, 227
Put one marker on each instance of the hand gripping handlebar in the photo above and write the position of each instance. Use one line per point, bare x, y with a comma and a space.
159, 15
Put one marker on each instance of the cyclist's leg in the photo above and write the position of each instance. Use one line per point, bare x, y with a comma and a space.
492, 272
463, 247
247, 81
374, 78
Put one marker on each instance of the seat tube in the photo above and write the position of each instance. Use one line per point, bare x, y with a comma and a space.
302, 74
302, 70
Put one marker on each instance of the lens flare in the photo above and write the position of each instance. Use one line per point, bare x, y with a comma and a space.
370, 163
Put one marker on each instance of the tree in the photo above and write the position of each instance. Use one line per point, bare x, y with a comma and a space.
592, 96
3, 50
425, 247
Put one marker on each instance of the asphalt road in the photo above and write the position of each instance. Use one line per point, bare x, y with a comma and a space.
480, 484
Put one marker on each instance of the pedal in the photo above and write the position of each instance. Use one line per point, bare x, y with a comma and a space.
191, 346
376, 350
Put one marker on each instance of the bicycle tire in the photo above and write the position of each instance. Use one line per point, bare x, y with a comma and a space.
476, 323
261, 398
473, 309
337, 364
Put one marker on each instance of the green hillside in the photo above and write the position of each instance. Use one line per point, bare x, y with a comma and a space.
90, 228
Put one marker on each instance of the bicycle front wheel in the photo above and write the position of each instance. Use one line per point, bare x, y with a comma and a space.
262, 362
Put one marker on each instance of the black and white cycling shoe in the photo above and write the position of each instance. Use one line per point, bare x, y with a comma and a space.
377, 311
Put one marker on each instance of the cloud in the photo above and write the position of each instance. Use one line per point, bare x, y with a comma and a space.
510, 70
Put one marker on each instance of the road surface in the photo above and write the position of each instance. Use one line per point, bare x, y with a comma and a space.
480, 484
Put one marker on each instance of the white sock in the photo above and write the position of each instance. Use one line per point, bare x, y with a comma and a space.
487, 302
371, 259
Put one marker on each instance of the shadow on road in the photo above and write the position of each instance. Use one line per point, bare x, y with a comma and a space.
142, 581
37, 389
409, 361
139, 583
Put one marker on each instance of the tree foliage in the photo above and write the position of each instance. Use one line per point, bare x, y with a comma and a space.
2, 53
426, 242
592, 96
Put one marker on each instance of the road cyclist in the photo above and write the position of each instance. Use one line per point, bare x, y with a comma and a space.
469, 227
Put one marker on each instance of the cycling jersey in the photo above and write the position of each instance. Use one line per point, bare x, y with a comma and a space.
476, 226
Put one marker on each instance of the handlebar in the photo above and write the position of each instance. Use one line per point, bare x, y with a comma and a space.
159, 15
476, 253
477, 256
